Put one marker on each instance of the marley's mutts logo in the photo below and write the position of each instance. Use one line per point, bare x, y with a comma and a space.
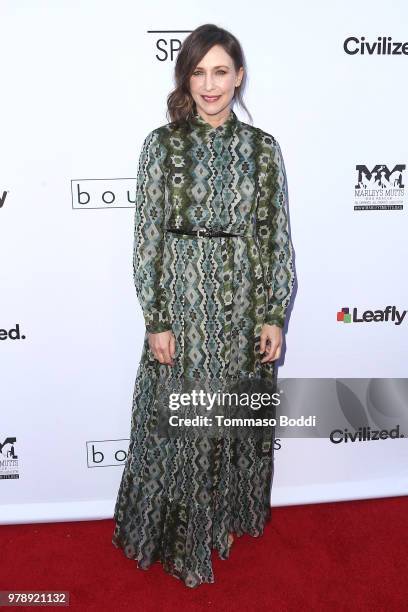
379, 188
8, 459
390, 313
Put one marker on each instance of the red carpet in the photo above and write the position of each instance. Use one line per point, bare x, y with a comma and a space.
335, 556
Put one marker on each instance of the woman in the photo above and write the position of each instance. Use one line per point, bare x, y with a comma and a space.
213, 270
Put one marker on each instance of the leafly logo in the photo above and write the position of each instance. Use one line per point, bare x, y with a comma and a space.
379, 188
8, 459
390, 313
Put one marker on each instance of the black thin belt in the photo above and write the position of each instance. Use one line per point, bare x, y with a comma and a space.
201, 233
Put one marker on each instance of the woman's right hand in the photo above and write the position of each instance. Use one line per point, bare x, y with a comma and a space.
163, 346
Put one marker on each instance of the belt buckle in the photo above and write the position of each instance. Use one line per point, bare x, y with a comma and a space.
198, 232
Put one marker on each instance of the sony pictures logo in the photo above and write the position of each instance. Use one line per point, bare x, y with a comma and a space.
379, 188
8, 459
167, 43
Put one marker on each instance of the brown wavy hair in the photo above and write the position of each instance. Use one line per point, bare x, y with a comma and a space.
180, 103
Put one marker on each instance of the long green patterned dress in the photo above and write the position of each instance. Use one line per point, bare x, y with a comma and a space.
180, 497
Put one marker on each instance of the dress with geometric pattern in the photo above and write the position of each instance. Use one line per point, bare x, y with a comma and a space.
180, 497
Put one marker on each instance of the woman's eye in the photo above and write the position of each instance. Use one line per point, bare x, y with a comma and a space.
198, 72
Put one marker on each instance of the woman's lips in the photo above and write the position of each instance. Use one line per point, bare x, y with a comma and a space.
210, 98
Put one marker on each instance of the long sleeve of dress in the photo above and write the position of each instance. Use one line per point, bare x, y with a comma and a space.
149, 235
273, 237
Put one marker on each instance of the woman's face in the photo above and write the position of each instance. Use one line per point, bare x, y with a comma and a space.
213, 82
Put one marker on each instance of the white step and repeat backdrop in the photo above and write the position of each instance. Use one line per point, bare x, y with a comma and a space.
82, 84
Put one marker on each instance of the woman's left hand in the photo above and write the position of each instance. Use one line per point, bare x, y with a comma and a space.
271, 342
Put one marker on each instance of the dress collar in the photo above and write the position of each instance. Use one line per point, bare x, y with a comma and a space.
226, 129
